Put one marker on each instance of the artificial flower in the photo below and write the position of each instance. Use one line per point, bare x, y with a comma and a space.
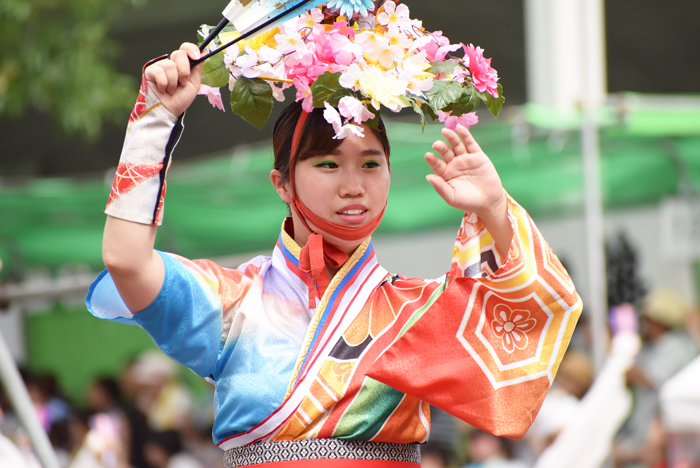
213, 95
363, 59
384, 89
352, 108
465, 120
484, 77
349, 8
304, 94
394, 16
349, 129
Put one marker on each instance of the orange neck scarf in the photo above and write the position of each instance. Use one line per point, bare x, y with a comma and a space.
318, 253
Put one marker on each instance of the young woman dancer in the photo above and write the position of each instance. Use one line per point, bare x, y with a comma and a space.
299, 343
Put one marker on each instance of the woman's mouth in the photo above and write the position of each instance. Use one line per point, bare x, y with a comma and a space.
353, 215
352, 212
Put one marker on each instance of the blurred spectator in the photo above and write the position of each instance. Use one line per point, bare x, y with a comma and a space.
489, 451
50, 405
666, 350
435, 455
139, 430
11, 456
166, 402
561, 405
84, 447
164, 450
680, 407
104, 399
585, 432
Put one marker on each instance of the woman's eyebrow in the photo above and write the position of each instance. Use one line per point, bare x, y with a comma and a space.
367, 152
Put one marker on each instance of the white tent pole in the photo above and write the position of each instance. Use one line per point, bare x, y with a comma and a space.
594, 89
16, 391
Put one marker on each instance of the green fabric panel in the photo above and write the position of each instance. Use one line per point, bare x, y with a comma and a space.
226, 205
368, 412
76, 347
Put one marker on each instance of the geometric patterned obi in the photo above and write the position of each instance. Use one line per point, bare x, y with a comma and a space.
268, 453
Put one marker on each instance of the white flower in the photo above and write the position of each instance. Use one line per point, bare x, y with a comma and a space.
384, 89
332, 117
247, 62
395, 16
349, 129
413, 70
350, 79
352, 108
389, 56
269, 55
310, 21
397, 38
371, 44
341, 131
290, 43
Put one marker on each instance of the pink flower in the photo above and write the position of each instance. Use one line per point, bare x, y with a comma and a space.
343, 28
451, 122
213, 94
484, 77
438, 46
352, 108
304, 94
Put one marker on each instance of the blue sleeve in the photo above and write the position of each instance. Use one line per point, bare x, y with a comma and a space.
184, 320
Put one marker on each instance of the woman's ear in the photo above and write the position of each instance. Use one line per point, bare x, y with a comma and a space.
282, 186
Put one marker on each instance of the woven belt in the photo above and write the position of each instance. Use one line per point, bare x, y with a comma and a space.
320, 449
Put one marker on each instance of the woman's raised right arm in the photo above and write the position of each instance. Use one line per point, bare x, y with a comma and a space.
135, 205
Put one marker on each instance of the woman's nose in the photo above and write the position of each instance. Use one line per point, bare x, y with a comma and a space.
352, 185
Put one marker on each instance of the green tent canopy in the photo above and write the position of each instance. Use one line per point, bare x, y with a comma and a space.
226, 205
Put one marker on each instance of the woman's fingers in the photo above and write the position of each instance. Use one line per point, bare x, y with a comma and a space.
441, 187
436, 164
470, 143
156, 75
193, 53
170, 70
445, 150
455, 141
182, 65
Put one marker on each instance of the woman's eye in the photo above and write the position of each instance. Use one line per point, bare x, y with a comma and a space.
326, 164
371, 164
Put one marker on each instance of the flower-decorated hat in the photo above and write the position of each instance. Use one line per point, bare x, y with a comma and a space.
353, 58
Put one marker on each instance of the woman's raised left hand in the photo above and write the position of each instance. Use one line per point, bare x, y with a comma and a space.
465, 177
467, 180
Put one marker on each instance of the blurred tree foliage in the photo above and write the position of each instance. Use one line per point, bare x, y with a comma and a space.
56, 57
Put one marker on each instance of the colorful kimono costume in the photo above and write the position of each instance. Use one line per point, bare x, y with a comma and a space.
483, 342
349, 382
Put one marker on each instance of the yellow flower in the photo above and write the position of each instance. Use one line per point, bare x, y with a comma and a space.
384, 89
256, 42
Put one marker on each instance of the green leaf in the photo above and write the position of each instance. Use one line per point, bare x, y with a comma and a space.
327, 88
373, 123
495, 104
447, 66
443, 93
427, 108
252, 100
419, 110
467, 102
214, 73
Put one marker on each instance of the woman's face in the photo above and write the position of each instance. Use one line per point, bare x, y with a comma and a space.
350, 186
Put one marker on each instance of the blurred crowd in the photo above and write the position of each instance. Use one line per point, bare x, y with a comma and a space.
640, 410
145, 418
